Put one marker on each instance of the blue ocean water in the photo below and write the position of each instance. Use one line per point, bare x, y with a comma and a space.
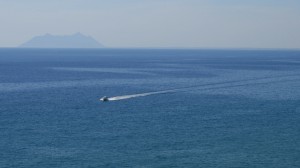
242, 108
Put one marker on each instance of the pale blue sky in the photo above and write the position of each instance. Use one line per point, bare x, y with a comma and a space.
156, 23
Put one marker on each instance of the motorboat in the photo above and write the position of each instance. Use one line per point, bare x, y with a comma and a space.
104, 99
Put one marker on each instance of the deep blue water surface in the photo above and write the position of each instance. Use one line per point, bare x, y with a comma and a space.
243, 109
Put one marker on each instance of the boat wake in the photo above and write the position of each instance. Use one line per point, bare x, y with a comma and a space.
140, 95
217, 85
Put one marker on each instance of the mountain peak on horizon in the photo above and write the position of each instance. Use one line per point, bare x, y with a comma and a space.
76, 40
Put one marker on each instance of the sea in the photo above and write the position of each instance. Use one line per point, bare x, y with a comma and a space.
167, 108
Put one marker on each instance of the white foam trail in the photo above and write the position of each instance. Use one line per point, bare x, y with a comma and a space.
220, 85
139, 95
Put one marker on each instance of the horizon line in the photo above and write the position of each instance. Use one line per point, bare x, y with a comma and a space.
158, 48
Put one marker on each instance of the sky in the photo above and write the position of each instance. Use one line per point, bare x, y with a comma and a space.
156, 23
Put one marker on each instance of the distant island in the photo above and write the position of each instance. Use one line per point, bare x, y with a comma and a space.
77, 40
